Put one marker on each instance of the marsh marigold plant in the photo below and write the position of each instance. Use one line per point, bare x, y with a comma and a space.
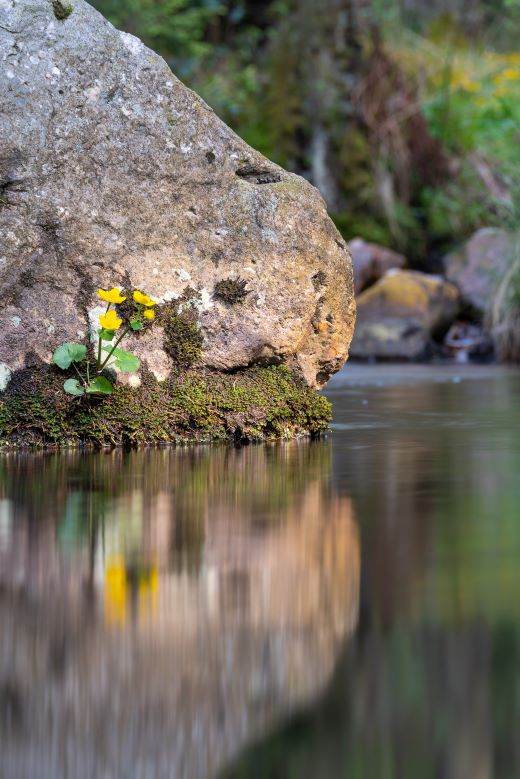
90, 379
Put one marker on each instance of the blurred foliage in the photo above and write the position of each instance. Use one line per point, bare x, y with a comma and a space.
405, 113
176, 29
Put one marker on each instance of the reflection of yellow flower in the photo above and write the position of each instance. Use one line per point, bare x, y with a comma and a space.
148, 584
149, 314
110, 320
111, 295
115, 592
143, 299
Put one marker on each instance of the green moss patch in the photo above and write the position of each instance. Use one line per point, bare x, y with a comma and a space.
62, 9
182, 335
231, 291
259, 403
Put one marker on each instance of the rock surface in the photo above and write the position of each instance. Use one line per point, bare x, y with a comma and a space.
113, 173
479, 265
371, 261
400, 314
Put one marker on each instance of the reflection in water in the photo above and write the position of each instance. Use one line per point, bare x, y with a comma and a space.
161, 608
160, 611
429, 686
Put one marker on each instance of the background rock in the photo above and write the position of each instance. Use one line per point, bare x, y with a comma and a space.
398, 316
479, 265
370, 261
114, 173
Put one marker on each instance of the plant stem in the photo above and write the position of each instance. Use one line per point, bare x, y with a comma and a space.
125, 331
79, 374
99, 367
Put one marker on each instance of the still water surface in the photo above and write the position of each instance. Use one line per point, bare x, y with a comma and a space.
340, 608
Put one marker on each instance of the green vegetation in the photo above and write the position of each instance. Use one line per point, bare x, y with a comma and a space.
254, 404
404, 116
182, 335
231, 291
62, 10
89, 378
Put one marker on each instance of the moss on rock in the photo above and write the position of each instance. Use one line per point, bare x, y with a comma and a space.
182, 335
62, 9
259, 403
231, 291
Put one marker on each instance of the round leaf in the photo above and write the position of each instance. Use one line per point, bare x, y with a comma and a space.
126, 361
66, 354
106, 335
73, 387
99, 386
136, 324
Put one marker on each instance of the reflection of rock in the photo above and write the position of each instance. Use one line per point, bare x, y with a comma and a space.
479, 266
233, 636
405, 702
399, 315
371, 261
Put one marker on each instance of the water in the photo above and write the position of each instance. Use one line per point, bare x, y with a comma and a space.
346, 607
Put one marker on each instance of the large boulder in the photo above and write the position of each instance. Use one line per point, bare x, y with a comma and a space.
371, 261
401, 314
113, 173
478, 267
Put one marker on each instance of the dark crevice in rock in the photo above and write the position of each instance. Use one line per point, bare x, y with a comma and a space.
217, 257
7, 186
84, 296
258, 175
316, 317
27, 279
318, 280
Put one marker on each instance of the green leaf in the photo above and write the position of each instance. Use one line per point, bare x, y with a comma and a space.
73, 387
66, 354
106, 335
136, 324
99, 386
126, 361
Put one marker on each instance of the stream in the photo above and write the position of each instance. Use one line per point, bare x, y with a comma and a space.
340, 607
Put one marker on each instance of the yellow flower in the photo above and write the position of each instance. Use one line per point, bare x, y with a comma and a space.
143, 299
111, 295
110, 321
510, 74
149, 314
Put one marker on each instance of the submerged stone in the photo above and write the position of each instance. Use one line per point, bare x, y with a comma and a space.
113, 173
